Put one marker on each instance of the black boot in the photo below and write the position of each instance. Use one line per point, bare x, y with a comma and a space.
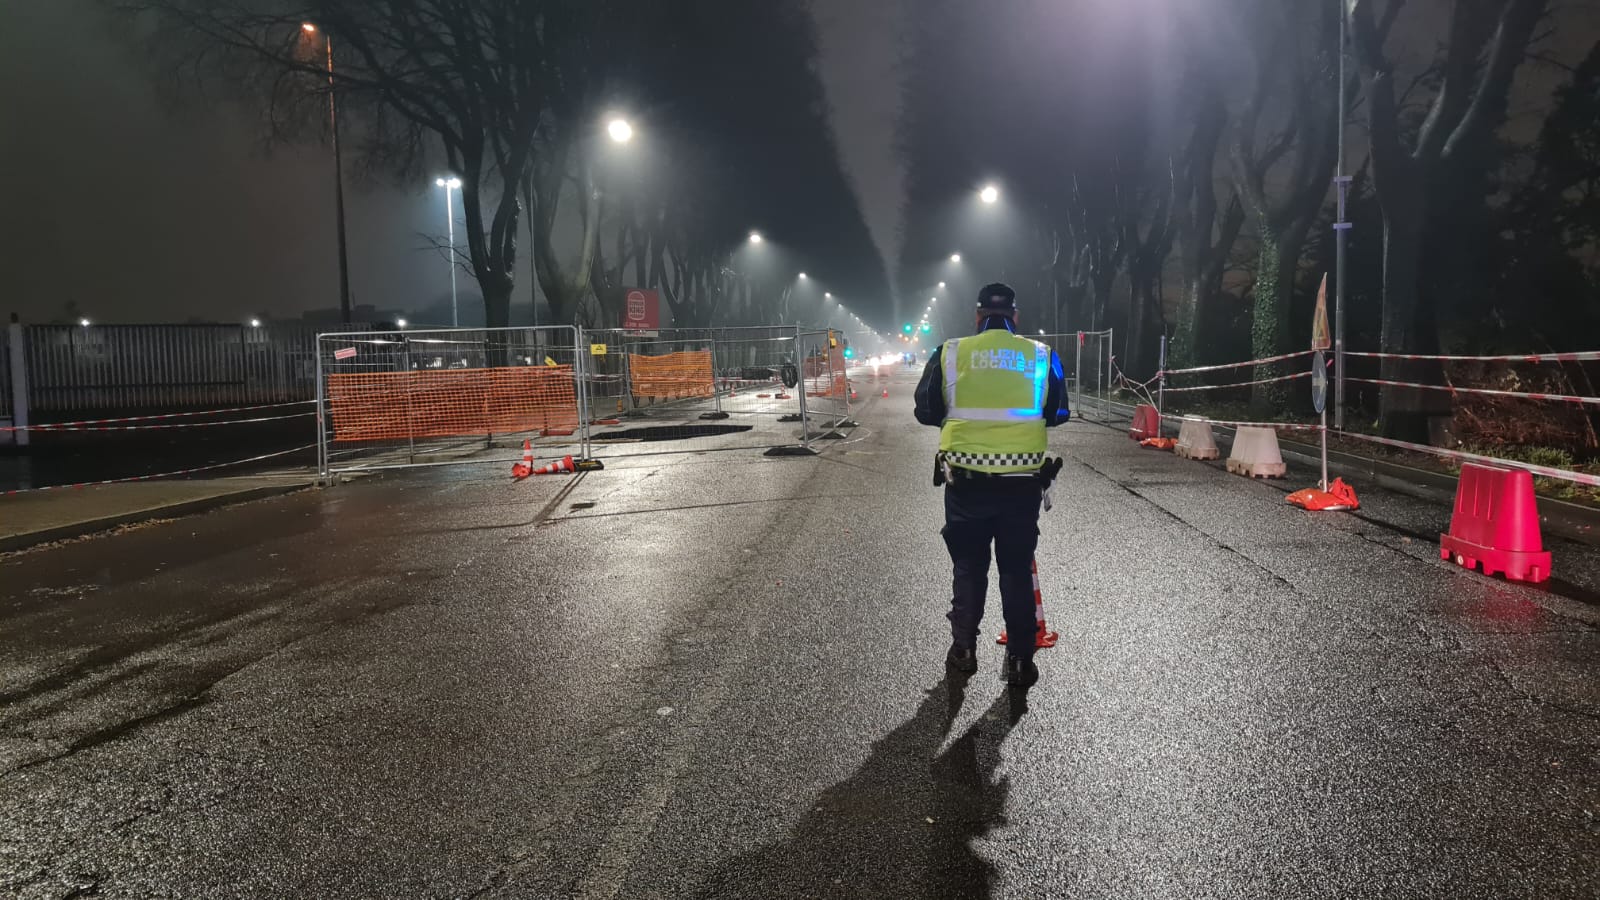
961, 659
1021, 674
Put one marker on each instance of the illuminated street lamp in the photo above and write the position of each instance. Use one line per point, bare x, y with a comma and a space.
400, 323
620, 131
755, 237
955, 257
941, 285
84, 322
451, 184
338, 176
802, 276
255, 323
989, 194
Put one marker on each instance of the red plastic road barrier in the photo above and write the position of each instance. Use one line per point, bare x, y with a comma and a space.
1146, 422
1496, 523
1043, 638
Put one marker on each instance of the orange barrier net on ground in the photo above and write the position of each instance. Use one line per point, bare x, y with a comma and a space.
374, 406
674, 376
825, 375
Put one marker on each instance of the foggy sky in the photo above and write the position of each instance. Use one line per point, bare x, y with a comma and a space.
136, 211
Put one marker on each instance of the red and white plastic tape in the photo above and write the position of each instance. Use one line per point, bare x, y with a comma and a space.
163, 424
1240, 384
1581, 356
1545, 471
1559, 398
1290, 426
84, 424
1237, 365
172, 474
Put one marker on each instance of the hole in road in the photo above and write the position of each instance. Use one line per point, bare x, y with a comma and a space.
669, 432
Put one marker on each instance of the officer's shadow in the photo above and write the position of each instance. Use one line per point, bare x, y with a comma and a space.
903, 825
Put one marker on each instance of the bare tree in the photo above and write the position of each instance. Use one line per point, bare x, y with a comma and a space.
1486, 42
1283, 149
417, 76
1204, 243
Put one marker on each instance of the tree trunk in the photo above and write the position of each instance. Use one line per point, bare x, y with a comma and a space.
496, 300
1400, 413
1100, 297
1269, 325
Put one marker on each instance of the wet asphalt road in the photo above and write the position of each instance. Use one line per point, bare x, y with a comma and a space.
721, 676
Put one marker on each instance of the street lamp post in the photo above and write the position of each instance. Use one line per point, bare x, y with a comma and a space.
451, 184
1341, 231
338, 177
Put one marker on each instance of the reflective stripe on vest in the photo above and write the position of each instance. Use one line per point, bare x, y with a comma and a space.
995, 459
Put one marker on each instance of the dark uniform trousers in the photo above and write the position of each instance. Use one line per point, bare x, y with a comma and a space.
1004, 512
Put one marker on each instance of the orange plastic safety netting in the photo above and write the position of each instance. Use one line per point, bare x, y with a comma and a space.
672, 376
372, 406
825, 375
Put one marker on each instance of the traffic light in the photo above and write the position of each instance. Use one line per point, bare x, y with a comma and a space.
849, 353
907, 329
926, 328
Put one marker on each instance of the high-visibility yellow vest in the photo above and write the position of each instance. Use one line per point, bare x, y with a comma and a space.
994, 391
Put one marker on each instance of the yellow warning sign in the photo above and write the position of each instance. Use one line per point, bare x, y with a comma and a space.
1319, 319
597, 349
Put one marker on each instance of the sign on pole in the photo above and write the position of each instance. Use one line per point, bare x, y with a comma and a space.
1319, 382
642, 311
1319, 319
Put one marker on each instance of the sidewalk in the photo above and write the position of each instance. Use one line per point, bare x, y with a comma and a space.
42, 516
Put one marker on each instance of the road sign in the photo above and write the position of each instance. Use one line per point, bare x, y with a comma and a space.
643, 311
1319, 319
597, 349
1319, 382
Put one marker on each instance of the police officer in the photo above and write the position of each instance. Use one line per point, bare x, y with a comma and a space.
992, 396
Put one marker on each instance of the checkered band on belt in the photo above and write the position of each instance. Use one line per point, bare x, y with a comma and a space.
995, 459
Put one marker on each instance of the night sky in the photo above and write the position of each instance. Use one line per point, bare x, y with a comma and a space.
137, 211
134, 210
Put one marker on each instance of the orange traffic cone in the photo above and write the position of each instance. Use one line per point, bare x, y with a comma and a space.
1043, 638
525, 468
559, 467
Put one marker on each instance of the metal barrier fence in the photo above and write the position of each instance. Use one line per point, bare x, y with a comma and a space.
432, 397
437, 397
827, 387
693, 390
1087, 358
5, 375
74, 368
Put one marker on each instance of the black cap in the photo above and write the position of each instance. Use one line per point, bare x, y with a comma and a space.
997, 298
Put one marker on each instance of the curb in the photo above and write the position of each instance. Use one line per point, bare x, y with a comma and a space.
1572, 521
14, 542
